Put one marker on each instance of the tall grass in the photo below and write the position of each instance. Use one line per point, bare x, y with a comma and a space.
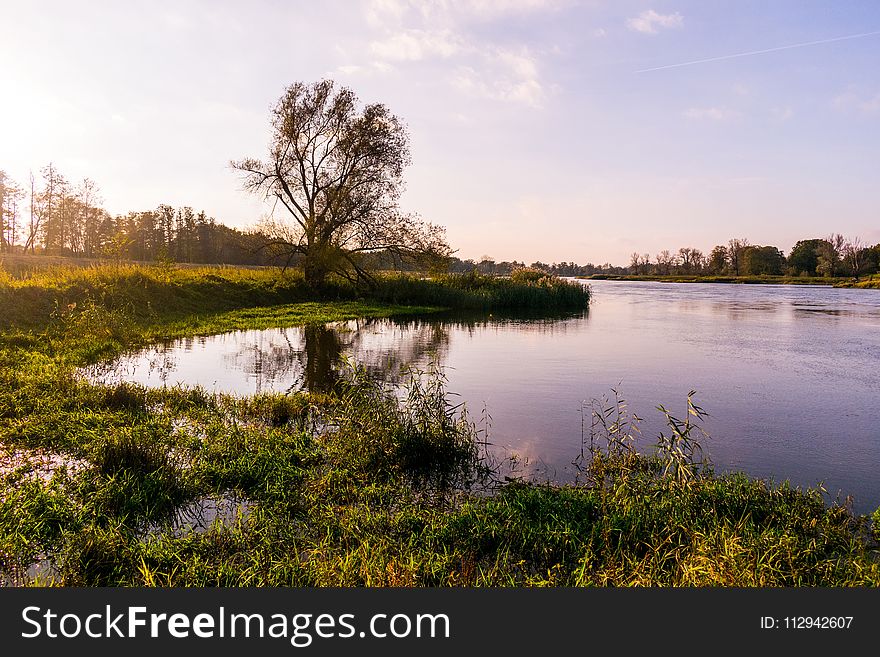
143, 292
151, 293
482, 292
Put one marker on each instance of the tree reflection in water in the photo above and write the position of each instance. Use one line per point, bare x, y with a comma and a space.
306, 358
311, 358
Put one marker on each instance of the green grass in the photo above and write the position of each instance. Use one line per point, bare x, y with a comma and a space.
869, 282
355, 488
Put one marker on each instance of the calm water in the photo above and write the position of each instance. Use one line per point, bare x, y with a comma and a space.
789, 374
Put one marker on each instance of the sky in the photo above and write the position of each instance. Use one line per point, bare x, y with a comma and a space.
551, 130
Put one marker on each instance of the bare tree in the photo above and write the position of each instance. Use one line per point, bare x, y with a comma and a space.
829, 254
665, 260
635, 261
34, 226
6, 187
51, 209
734, 252
338, 172
89, 225
691, 259
853, 253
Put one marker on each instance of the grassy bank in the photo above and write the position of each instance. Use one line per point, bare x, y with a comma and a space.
180, 488
121, 485
753, 280
158, 294
871, 282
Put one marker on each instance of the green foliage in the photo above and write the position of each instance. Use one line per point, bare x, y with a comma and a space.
761, 260
423, 439
483, 292
804, 257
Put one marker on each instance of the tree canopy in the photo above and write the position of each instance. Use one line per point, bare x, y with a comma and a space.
804, 256
758, 260
336, 171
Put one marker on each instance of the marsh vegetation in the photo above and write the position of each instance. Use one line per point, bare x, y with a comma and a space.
358, 484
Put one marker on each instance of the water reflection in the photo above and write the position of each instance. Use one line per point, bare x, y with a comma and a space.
309, 358
788, 373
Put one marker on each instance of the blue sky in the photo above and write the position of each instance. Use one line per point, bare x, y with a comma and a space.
536, 132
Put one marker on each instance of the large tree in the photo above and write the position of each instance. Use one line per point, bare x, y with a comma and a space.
734, 252
718, 259
756, 260
829, 254
804, 257
335, 171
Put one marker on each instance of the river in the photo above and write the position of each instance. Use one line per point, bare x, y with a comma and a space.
790, 375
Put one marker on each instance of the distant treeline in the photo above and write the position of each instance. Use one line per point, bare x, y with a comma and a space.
830, 256
52, 216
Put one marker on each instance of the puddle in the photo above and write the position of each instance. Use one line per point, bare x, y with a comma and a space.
39, 463
200, 515
43, 572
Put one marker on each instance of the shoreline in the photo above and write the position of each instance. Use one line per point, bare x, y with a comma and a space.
837, 282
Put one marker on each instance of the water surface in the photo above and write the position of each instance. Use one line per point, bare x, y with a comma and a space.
789, 374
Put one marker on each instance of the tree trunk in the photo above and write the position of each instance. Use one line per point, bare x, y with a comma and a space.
315, 271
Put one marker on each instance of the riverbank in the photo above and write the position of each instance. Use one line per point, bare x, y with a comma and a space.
870, 282
160, 294
121, 485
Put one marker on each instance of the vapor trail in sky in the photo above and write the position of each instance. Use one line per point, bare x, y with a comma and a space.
759, 52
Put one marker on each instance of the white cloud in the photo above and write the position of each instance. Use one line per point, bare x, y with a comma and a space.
495, 8
389, 13
504, 75
359, 69
521, 64
709, 113
649, 21
410, 32
414, 45
382, 12
851, 100
528, 91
